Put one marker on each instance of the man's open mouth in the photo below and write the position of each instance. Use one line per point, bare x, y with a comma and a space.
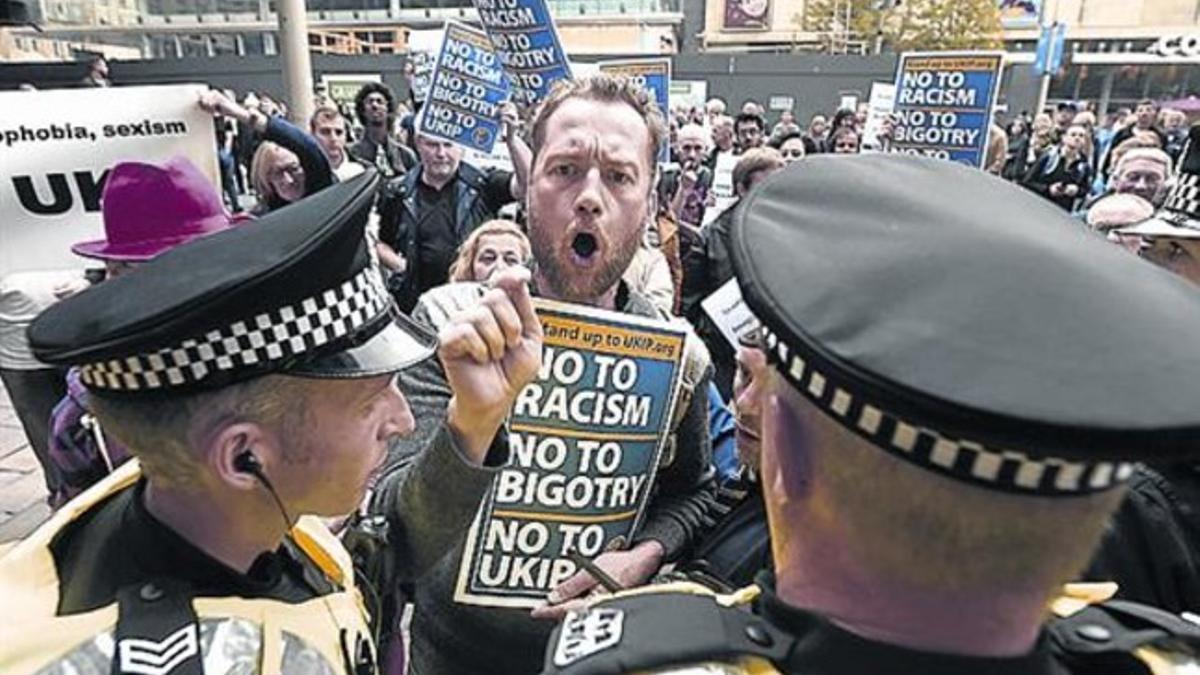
584, 246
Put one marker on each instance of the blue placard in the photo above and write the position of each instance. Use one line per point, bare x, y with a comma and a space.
586, 438
944, 104
655, 76
466, 90
525, 39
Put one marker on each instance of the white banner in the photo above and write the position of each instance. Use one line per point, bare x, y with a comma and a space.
689, 93
722, 187
56, 147
882, 103
423, 48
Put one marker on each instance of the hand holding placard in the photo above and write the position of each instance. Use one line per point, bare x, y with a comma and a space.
628, 568
490, 352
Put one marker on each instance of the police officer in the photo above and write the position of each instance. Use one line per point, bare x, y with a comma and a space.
961, 384
251, 374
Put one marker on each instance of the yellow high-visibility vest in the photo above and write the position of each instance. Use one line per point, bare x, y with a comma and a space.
235, 634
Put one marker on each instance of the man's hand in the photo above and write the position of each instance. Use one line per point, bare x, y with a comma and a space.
687, 179
217, 103
389, 258
629, 568
68, 288
1056, 189
510, 119
490, 352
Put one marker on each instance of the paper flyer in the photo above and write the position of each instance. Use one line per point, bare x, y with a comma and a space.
585, 439
730, 312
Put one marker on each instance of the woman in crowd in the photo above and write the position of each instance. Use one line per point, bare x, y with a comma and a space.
493, 247
1064, 174
287, 166
844, 141
1087, 120
1015, 164
793, 146
843, 118
1041, 139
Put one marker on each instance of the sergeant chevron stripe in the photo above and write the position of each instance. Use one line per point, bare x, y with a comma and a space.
139, 656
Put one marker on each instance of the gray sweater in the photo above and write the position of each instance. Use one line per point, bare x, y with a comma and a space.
448, 637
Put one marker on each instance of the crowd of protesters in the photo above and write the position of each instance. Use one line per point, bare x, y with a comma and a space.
447, 233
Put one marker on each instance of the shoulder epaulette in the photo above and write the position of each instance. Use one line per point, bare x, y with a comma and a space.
1118, 636
658, 627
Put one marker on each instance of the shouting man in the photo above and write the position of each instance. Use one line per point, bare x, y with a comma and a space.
594, 146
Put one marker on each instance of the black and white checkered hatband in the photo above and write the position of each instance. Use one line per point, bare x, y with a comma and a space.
959, 458
254, 343
1182, 205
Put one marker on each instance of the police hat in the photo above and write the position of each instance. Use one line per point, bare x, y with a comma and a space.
298, 291
964, 324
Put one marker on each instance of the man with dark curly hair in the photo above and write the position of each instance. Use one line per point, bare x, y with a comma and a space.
375, 107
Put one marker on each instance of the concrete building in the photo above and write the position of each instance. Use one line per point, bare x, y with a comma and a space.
187, 28
1119, 51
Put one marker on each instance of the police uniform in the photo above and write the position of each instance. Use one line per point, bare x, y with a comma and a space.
970, 329
104, 586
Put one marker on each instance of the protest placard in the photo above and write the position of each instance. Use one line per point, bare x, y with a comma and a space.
781, 103
944, 104
467, 88
689, 93
56, 147
343, 87
653, 75
730, 312
722, 187
423, 49
880, 105
526, 40
498, 158
585, 439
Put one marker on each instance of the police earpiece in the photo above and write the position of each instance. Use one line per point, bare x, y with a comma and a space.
247, 462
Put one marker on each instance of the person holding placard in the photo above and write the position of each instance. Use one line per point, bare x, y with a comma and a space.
427, 214
595, 143
919, 525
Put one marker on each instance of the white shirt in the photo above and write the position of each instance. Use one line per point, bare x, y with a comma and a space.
24, 295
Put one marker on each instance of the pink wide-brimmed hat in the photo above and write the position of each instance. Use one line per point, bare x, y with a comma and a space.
149, 209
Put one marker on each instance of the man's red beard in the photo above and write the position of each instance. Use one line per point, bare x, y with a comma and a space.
583, 263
